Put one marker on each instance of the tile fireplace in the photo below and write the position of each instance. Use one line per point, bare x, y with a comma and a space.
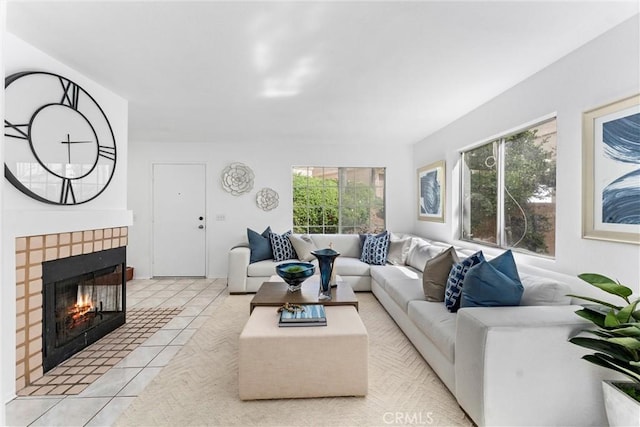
33, 254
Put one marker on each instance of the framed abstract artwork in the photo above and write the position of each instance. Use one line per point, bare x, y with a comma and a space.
431, 192
611, 172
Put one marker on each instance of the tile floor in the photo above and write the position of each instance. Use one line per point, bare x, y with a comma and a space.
104, 400
78, 372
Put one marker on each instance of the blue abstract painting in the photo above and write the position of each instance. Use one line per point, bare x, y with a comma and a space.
621, 139
621, 197
430, 193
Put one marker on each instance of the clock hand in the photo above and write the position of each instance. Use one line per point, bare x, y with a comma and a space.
69, 142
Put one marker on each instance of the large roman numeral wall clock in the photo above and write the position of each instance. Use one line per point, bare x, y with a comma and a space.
59, 145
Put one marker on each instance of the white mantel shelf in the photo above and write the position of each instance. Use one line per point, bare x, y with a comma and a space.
18, 223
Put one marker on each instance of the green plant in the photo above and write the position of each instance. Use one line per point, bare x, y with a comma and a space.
617, 336
325, 205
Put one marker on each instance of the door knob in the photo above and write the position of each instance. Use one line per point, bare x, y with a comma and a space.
201, 226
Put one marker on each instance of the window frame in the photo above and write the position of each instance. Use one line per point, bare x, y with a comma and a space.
343, 184
500, 140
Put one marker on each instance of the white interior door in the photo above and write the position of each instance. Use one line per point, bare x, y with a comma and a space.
179, 225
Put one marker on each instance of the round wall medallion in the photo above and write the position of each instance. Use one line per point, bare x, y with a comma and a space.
237, 179
59, 145
267, 199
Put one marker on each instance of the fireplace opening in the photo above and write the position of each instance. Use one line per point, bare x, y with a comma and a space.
84, 299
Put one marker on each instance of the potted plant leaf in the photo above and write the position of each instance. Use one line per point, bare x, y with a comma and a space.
616, 340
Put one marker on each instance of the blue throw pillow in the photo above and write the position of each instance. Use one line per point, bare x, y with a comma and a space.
363, 237
259, 245
493, 283
375, 249
453, 291
282, 247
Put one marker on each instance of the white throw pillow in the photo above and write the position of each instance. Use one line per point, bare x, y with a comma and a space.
419, 254
398, 249
303, 246
544, 291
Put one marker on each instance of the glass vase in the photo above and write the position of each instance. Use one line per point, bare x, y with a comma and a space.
326, 258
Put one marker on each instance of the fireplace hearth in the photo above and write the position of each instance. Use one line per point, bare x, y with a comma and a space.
84, 299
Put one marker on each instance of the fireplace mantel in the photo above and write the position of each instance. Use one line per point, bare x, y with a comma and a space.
17, 223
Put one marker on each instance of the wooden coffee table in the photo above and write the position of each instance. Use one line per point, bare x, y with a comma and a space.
275, 292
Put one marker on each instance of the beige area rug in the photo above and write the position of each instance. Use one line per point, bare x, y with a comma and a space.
200, 384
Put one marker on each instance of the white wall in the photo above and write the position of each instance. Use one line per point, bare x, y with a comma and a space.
272, 167
4, 313
20, 56
23, 216
602, 71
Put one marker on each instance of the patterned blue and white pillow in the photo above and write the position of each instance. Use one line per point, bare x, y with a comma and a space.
282, 247
453, 291
375, 249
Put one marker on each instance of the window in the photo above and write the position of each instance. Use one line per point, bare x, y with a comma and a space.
338, 200
508, 191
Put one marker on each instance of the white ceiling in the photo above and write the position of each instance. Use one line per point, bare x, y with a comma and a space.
311, 72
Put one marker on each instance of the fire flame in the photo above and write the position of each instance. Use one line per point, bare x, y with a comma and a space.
81, 307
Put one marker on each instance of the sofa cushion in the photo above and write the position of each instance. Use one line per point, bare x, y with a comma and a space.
540, 290
347, 266
398, 249
266, 268
492, 283
347, 244
433, 319
303, 245
419, 254
436, 272
375, 248
260, 245
384, 274
281, 246
453, 291
402, 291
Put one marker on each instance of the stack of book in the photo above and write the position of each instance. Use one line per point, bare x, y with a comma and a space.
310, 315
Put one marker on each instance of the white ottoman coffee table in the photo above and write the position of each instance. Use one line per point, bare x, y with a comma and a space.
314, 361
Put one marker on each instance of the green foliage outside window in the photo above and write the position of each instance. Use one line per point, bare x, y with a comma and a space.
528, 193
483, 194
327, 205
530, 174
315, 204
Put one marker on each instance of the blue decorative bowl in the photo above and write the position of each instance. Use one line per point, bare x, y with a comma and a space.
294, 273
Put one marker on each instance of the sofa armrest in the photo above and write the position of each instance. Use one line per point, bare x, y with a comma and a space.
239, 257
515, 366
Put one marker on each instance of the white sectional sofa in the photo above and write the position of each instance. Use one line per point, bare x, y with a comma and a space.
244, 277
509, 366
